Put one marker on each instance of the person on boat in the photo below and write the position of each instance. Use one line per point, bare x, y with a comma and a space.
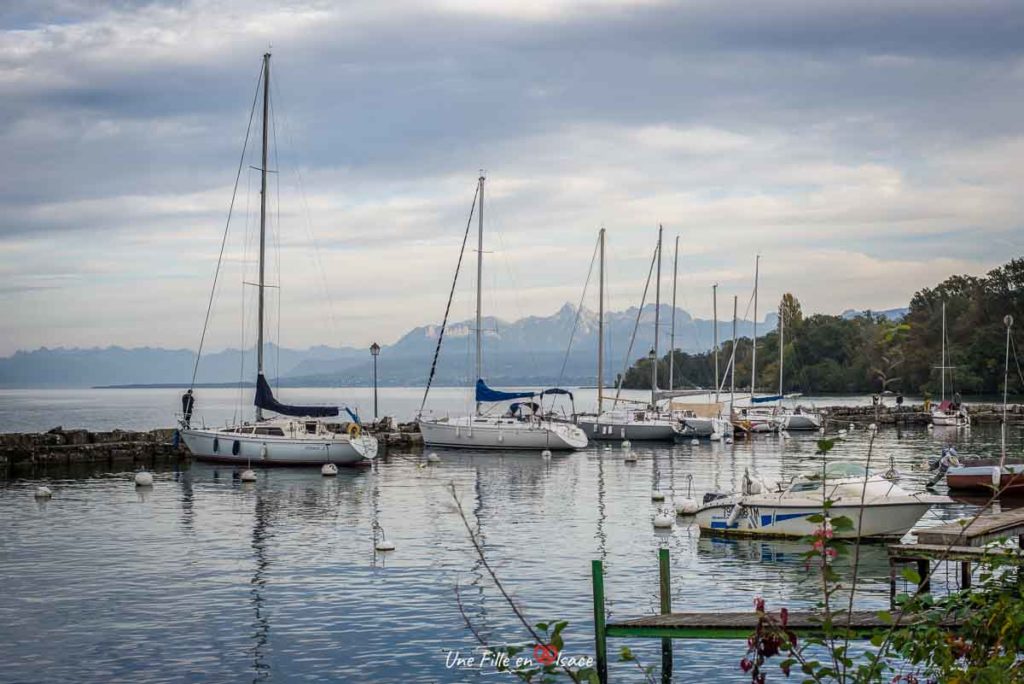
188, 402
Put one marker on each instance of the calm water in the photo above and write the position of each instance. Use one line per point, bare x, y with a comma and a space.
206, 579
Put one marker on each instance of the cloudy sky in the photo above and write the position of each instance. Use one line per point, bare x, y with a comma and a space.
864, 149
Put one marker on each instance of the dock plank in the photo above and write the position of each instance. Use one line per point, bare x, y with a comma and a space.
984, 529
740, 625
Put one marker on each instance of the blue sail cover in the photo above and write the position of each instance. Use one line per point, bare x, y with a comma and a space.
485, 393
765, 400
265, 400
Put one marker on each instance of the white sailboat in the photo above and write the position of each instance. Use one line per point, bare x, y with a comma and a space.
753, 418
646, 423
948, 413
798, 418
707, 420
763, 509
520, 427
300, 436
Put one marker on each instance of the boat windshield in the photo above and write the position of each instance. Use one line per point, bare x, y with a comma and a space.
839, 470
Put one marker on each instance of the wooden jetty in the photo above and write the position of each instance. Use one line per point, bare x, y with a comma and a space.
959, 541
719, 625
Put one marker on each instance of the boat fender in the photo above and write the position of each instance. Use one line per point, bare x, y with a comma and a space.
734, 514
354, 431
263, 451
996, 476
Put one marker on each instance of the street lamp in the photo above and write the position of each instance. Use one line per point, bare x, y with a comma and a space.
375, 351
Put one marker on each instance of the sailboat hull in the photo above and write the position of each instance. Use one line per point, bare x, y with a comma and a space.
224, 447
705, 427
801, 421
660, 431
502, 434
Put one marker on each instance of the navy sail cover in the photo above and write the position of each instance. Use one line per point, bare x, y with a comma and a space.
485, 393
765, 400
265, 400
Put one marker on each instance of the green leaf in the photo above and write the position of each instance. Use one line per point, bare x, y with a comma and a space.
842, 524
885, 616
816, 518
911, 575
626, 655
542, 626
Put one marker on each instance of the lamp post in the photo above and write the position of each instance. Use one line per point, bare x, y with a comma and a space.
375, 352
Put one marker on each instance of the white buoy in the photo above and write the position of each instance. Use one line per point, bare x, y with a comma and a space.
663, 520
385, 545
842, 433
728, 440
546, 453
687, 506
382, 544
248, 475
433, 458
143, 478
630, 457
43, 492
852, 427
716, 436
626, 444
930, 426
329, 470
873, 427
694, 442
657, 495
821, 431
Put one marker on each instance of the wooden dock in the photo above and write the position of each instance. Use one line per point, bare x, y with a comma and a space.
961, 541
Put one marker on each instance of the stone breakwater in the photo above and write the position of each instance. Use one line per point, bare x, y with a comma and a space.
987, 414
65, 447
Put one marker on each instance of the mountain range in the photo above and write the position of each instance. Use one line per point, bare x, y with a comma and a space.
529, 351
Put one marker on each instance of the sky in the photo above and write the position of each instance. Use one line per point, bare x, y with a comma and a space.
864, 149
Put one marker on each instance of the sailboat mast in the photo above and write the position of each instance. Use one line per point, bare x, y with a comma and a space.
753, 347
263, 220
732, 385
942, 368
714, 309
600, 326
657, 326
672, 338
479, 286
782, 342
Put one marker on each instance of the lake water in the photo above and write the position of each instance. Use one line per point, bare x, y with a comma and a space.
204, 579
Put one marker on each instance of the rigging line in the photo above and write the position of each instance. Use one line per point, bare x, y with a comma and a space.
277, 244
1016, 361
227, 224
636, 326
579, 311
451, 295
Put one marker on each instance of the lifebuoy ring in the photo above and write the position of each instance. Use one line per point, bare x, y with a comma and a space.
354, 431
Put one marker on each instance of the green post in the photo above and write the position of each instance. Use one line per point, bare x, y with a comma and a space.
601, 646
666, 608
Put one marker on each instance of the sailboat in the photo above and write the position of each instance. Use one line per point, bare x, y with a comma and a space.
299, 435
798, 418
521, 426
750, 419
706, 420
948, 413
645, 423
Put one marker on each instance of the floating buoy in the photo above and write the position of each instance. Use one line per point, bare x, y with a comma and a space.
143, 478
630, 457
248, 475
657, 495
385, 545
821, 431
694, 442
873, 427
433, 458
852, 427
43, 492
687, 506
930, 426
382, 544
842, 433
663, 520
546, 453
626, 444
728, 440
716, 436
329, 470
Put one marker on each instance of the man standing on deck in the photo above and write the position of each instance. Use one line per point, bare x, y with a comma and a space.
187, 403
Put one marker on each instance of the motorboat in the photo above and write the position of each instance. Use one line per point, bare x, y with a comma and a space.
635, 425
298, 435
763, 509
800, 419
948, 413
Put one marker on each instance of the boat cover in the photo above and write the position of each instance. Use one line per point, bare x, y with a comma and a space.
265, 400
765, 400
558, 390
485, 393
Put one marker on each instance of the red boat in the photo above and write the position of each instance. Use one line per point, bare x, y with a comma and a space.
985, 475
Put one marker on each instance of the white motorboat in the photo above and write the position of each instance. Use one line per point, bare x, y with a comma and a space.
302, 437
779, 510
522, 427
800, 419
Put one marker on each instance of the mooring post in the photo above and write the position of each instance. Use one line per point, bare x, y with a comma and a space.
924, 571
965, 575
666, 608
600, 643
892, 582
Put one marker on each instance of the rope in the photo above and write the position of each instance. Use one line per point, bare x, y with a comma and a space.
227, 224
579, 310
636, 326
451, 296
